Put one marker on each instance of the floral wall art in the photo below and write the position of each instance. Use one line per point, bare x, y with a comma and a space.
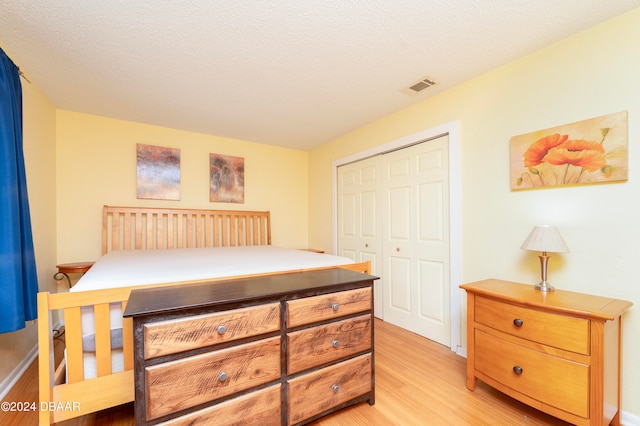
158, 172
588, 151
227, 178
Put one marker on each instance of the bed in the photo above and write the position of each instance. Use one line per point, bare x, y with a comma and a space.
181, 246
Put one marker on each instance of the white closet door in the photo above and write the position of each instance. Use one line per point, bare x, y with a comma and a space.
359, 218
415, 243
393, 209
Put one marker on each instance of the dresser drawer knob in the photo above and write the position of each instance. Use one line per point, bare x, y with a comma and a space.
222, 376
335, 306
335, 343
335, 388
222, 329
518, 370
518, 322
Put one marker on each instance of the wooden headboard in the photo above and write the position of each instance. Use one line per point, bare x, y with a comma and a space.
127, 228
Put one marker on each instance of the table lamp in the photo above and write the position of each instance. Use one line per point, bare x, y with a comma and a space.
546, 239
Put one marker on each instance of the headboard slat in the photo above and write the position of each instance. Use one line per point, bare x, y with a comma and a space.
126, 228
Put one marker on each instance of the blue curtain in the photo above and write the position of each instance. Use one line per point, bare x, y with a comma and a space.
18, 278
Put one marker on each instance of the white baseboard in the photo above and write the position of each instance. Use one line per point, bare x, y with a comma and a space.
628, 419
17, 372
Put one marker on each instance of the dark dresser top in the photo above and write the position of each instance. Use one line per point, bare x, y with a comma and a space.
149, 301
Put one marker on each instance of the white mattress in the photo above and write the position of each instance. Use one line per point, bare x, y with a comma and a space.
121, 268
90, 364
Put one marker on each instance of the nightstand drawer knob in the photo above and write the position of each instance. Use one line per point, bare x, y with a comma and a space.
518, 322
335, 343
518, 370
222, 376
222, 329
335, 306
335, 388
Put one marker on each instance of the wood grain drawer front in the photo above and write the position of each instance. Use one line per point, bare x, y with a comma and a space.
328, 306
313, 393
169, 337
559, 331
554, 381
258, 408
318, 345
184, 383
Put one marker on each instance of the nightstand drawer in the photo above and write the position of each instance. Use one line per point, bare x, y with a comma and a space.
318, 345
328, 306
185, 383
559, 331
173, 336
551, 380
262, 407
329, 387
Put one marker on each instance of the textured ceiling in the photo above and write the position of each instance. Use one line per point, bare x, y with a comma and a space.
294, 73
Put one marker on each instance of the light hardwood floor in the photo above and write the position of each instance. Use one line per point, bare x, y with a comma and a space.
418, 382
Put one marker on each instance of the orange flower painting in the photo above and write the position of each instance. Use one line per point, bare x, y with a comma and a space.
587, 151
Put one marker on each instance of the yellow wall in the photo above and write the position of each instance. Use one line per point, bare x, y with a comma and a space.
590, 74
39, 151
97, 166
77, 162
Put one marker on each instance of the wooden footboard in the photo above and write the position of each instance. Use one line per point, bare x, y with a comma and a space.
64, 393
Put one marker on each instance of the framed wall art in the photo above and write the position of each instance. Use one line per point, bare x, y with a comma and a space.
158, 172
227, 178
584, 152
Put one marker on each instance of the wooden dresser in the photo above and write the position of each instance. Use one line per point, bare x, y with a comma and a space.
280, 349
556, 351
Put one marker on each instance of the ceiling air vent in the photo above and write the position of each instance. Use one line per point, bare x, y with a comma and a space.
418, 87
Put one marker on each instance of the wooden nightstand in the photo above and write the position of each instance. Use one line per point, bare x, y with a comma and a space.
64, 269
556, 351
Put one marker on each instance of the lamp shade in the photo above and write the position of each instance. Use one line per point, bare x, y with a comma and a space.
545, 238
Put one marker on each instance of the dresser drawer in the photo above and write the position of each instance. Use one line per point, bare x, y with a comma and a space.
258, 408
328, 306
318, 345
329, 387
559, 331
187, 382
551, 380
173, 336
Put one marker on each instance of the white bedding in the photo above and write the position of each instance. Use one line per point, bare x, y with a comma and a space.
121, 268
90, 365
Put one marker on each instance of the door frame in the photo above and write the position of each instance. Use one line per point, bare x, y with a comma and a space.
452, 129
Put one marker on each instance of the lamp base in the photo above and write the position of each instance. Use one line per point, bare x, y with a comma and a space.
544, 286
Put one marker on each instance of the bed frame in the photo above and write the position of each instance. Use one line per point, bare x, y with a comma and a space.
128, 228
